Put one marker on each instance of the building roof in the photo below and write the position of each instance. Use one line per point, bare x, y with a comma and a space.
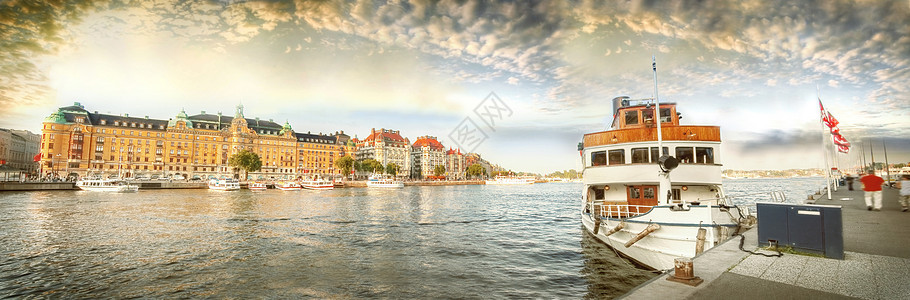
428, 141
219, 122
453, 151
386, 136
315, 138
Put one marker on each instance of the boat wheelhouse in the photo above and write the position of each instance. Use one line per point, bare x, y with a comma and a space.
652, 187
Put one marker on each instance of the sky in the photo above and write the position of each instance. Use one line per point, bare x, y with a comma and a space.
549, 68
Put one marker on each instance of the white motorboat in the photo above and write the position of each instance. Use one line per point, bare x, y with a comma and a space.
224, 184
318, 184
629, 201
287, 186
510, 180
257, 186
106, 185
382, 181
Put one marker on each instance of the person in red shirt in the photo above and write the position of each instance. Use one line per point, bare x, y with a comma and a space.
872, 185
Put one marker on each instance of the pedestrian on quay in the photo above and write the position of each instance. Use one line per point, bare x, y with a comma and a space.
904, 185
849, 182
872, 185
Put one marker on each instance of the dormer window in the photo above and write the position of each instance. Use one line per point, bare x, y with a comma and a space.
116, 123
103, 122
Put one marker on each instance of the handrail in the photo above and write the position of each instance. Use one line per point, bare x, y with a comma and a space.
618, 210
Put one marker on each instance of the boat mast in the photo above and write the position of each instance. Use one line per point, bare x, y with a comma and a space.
887, 168
657, 107
664, 179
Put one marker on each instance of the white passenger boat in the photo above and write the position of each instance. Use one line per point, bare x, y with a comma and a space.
106, 185
382, 181
224, 184
256, 186
510, 180
629, 201
317, 184
287, 186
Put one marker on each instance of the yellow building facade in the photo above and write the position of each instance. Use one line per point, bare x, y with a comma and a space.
76, 141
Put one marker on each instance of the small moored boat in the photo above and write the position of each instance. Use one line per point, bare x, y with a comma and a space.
382, 181
224, 184
287, 186
317, 184
510, 180
106, 185
256, 186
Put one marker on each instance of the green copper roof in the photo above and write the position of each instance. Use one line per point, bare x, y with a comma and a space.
56, 117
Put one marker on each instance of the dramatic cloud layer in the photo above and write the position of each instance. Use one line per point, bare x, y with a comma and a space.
557, 61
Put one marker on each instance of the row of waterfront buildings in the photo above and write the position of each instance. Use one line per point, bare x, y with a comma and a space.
76, 141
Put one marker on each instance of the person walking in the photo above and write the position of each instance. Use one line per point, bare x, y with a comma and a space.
904, 185
849, 182
872, 185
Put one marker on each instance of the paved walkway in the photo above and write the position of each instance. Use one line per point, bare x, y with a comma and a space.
876, 264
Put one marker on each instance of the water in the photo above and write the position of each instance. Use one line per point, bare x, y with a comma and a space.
417, 242
749, 191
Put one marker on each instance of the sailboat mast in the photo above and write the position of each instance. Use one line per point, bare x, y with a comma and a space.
887, 168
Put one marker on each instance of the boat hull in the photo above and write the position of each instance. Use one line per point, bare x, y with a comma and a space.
676, 237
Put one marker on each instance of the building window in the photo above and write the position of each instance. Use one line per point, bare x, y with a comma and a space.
617, 157
704, 155
598, 158
685, 155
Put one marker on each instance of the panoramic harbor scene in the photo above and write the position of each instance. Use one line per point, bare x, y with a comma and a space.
464, 149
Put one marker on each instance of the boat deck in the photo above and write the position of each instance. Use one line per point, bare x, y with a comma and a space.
876, 264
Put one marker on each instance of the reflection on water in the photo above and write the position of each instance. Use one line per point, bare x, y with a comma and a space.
416, 242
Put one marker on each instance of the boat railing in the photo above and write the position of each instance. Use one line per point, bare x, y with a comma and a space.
607, 210
749, 199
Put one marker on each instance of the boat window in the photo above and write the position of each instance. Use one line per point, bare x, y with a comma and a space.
665, 115
648, 192
655, 156
685, 155
634, 193
617, 157
675, 194
632, 117
599, 158
640, 155
704, 155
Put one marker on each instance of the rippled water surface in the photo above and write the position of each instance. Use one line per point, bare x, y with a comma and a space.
416, 242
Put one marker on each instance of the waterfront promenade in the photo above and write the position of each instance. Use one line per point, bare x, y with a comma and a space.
876, 264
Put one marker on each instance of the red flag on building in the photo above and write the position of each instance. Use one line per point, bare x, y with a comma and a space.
37, 157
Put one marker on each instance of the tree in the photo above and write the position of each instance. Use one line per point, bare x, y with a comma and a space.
392, 169
476, 170
371, 165
345, 163
439, 170
246, 161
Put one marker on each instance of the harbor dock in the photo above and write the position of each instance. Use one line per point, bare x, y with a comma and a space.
876, 264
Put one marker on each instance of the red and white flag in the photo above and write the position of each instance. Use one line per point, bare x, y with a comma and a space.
828, 119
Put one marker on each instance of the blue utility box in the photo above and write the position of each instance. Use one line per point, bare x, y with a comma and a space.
808, 228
